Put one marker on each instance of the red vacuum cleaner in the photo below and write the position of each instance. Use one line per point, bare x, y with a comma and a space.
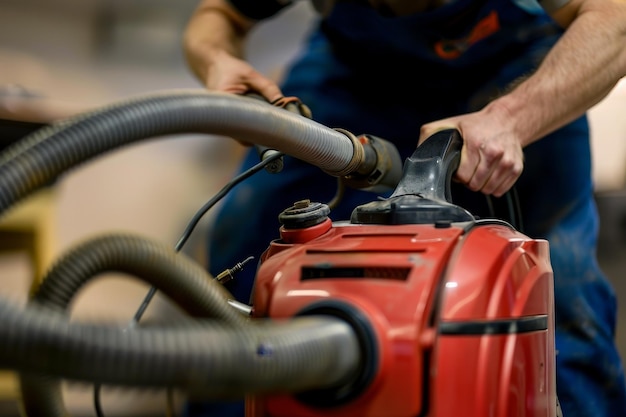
432, 312
454, 314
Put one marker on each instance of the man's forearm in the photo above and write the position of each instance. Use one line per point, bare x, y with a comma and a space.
579, 71
214, 28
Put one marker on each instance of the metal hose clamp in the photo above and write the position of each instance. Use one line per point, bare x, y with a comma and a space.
357, 157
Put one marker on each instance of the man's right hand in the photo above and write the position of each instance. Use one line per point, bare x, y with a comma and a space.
233, 75
213, 45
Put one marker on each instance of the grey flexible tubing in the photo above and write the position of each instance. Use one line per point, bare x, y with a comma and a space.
207, 358
183, 280
44, 342
45, 154
174, 274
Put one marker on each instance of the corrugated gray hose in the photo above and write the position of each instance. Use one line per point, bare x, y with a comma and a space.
212, 357
55, 149
208, 358
183, 280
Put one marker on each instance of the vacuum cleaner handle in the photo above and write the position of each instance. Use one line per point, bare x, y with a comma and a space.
428, 171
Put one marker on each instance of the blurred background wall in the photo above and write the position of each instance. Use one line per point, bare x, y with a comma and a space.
86, 53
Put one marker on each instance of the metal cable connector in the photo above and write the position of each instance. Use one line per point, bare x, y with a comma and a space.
244, 309
229, 274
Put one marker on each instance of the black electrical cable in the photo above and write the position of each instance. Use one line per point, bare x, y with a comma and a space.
97, 405
341, 190
490, 207
203, 210
239, 178
179, 245
514, 206
511, 210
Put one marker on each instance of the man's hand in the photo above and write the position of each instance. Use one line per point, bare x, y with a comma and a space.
491, 158
213, 45
233, 75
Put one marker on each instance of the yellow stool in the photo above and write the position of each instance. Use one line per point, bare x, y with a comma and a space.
29, 227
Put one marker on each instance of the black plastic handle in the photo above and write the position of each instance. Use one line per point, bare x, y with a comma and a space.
428, 172
424, 192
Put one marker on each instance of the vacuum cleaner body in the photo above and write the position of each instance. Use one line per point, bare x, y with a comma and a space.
454, 314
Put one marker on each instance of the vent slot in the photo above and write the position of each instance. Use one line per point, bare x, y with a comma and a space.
322, 272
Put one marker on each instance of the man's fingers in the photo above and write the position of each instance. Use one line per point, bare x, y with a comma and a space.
490, 170
484, 172
468, 164
488, 174
428, 130
266, 87
509, 180
501, 178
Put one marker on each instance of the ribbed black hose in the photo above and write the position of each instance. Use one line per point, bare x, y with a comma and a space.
44, 155
211, 358
174, 274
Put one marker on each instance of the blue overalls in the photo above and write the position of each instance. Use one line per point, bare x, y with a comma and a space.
386, 76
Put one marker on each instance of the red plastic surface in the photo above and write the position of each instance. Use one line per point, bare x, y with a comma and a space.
496, 274
408, 279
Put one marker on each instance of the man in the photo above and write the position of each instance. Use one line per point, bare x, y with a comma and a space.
515, 77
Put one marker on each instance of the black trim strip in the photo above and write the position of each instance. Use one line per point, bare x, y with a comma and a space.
488, 327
